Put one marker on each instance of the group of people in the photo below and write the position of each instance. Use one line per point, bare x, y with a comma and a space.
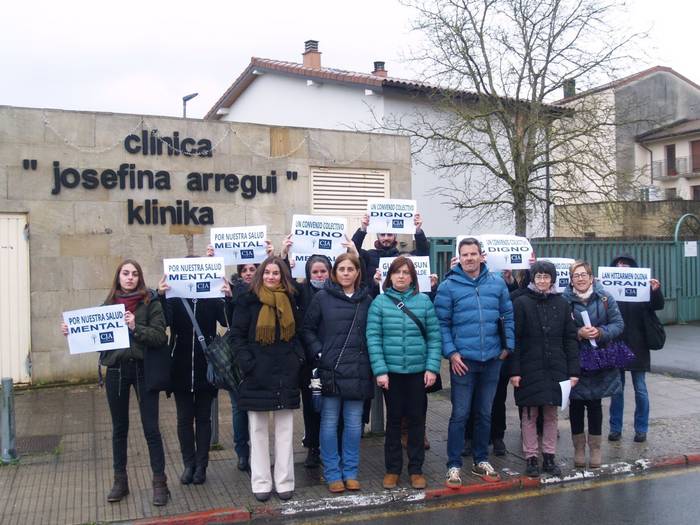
324, 342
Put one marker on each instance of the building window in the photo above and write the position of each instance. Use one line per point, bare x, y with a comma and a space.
671, 194
345, 191
671, 160
696, 192
695, 155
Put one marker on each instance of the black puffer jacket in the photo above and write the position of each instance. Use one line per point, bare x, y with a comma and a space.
370, 258
326, 327
271, 372
635, 316
189, 365
546, 349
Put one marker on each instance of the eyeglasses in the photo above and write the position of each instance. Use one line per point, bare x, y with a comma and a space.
544, 277
583, 275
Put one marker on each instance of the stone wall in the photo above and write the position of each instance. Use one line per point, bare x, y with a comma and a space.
78, 235
622, 219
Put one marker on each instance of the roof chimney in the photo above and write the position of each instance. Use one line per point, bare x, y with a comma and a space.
569, 87
379, 69
311, 54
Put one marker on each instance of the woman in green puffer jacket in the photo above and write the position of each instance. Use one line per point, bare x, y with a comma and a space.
405, 359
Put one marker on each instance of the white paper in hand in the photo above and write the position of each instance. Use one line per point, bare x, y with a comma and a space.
587, 322
565, 393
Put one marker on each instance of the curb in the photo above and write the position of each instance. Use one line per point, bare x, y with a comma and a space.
299, 508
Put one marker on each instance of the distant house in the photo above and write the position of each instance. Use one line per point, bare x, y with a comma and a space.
308, 95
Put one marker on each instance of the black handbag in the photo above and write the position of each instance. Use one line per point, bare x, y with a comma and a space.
157, 366
437, 385
654, 332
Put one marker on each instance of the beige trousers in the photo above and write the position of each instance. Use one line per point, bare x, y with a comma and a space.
260, 476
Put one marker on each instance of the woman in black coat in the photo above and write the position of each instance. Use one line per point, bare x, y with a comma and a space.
263, 333
635, 316
334, 333
193, 393
546, 352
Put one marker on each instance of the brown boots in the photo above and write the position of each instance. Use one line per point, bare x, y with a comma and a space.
120, 488
160, 490
596, 458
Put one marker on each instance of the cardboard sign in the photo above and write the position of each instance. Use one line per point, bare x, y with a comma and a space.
96, 329
299, 270
195, 277
240, 245
627, 285
422, 265
391, 216
503, 252
562, 265
316, 234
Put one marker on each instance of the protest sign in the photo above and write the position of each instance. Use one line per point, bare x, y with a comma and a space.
503, 252
627, 285
422, 265
96, 329
240, 245
299, 266
391, 216
315, 234
562, 264
194, 277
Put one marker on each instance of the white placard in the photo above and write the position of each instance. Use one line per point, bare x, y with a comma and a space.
240, 245
565, 393
391, 216
562, 264
422, 265
194, 277
299, 269
503, 252
318, 234
690, 249
96, 329
626, 285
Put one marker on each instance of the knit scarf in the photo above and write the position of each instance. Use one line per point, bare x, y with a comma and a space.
584, 296
275, 306
129, 300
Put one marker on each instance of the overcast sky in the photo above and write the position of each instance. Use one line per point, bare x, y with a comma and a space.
142, 57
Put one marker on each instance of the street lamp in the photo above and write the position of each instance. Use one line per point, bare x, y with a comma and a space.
184, 103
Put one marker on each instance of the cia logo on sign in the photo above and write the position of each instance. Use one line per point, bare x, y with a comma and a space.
247, 254
106, 337
324, 244
203, 287
630, 292
397, 223
516, 258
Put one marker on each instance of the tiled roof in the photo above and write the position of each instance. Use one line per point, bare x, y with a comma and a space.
675, 129
628, 80
327, 74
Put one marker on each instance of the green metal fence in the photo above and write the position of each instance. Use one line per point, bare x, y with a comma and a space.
679, 275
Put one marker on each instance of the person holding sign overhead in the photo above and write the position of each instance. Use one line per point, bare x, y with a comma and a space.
636, 316
598, 322
403, 337
125, 368
193, 393
334, 333
386, 245
268, 353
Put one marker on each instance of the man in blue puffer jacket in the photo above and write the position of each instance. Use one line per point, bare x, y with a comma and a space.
469, 304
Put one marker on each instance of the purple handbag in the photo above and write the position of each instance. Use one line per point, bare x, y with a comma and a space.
615, 354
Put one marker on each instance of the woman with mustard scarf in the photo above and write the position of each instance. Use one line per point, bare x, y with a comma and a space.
263, 332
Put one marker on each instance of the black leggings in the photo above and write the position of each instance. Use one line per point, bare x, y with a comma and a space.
595, 416
194, 426
118, 385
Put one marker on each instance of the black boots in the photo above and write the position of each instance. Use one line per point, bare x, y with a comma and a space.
532, 470
120, 488
187, 475
313, 458
550, 466
200, 475
160, 490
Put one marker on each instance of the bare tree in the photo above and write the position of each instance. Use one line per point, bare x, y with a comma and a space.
500, 146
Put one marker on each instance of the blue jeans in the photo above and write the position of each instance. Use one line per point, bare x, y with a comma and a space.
479, 383
641, 404
335, 467
241, 437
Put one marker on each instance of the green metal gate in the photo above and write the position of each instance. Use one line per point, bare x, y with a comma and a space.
679, 275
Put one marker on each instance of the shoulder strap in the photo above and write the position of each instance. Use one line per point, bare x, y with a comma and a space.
405, 309
195, 324
347, 338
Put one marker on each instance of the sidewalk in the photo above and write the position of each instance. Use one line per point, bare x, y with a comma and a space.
64, 474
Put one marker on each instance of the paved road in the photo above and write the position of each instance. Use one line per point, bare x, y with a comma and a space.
681, 355
659, 498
